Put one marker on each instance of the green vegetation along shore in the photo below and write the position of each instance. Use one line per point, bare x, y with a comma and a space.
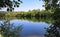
33, 13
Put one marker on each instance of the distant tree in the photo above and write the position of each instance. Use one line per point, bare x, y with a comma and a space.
9, 4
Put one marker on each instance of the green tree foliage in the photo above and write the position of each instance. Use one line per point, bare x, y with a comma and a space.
35, 13
10, 4
54, 6
9, 30
51, 4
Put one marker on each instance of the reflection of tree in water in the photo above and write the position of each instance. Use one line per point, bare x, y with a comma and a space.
9, 30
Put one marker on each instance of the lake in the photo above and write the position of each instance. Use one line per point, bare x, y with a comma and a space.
31, 28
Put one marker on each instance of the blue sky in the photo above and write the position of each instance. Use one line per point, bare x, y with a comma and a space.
29, 5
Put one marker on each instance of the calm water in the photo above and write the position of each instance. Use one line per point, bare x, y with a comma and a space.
30, 28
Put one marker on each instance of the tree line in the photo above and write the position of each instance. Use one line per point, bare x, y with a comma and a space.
33, 13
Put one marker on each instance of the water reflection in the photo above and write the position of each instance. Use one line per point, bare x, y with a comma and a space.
35, 27
31, 28
33, 19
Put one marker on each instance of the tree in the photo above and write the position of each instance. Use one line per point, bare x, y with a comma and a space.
54, 6
9, 4
51, 4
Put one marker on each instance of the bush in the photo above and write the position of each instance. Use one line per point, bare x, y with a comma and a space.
9, 30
